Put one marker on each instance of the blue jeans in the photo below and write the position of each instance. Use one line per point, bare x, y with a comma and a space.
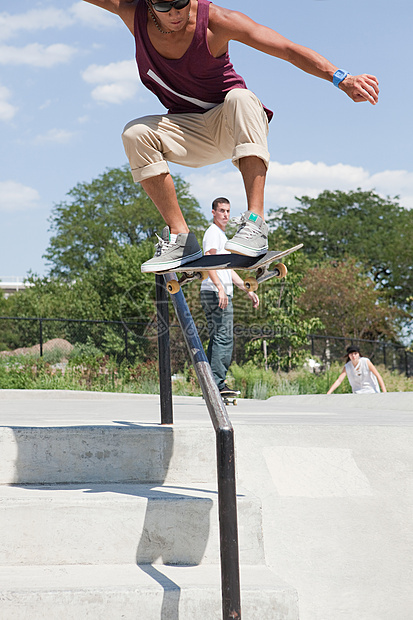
221, 339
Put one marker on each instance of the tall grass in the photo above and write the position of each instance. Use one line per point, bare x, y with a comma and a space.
91, 370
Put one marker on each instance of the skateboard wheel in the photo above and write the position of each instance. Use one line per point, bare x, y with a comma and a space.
173, 287
251, 284
204, 275
234, 402
282, 269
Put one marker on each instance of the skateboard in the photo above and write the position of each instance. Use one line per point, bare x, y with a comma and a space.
198, 269
230, 396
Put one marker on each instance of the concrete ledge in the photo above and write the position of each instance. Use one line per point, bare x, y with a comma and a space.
129, 453
121, 524
131, 592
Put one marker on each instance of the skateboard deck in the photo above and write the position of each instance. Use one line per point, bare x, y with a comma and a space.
230, 396
199, 268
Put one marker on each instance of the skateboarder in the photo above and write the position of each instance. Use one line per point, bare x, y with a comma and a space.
362, 374
182, 56
216, 296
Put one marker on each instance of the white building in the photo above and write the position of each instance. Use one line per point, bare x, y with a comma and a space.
11, 284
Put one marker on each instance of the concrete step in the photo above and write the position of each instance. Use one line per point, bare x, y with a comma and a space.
140, 453
134, 592
121, 524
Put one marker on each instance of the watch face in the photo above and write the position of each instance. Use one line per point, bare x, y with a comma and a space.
339, 76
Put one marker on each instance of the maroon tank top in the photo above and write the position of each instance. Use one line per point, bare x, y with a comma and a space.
197, 81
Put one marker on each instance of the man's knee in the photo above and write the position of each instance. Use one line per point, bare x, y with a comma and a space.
248, 124
143, 148
242, 98
140, 130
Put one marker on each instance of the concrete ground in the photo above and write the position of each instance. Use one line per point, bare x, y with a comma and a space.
60, 407
333, 473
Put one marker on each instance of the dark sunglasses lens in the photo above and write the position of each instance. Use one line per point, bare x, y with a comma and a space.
162, 7
165, 7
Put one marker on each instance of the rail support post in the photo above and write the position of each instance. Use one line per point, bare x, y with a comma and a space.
164, 351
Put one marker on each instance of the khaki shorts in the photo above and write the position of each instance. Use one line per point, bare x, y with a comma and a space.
236, 128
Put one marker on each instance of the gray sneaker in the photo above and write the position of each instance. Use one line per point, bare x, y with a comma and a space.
251, 238
170, 255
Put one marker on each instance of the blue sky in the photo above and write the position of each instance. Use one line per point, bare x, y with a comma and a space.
68, 85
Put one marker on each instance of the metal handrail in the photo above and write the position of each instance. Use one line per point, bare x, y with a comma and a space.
227, 495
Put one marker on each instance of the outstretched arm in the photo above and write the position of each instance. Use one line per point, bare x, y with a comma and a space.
337, 382
229, 25
376, 373
239, 282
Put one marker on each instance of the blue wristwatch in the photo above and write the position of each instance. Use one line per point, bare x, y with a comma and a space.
339, 76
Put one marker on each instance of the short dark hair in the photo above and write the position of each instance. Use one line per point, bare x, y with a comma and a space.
218, 201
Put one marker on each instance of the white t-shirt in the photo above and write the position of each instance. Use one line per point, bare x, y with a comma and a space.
361, 378
214, 237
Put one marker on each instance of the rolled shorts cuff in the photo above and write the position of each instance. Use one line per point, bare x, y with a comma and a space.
149, 171
250, 150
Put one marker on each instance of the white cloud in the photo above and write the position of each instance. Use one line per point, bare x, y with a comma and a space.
285, 182
36, 55
55, 136
115, 83
17, 197
7, 110
93, 16
34, 20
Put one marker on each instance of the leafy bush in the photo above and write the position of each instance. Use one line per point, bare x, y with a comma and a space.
89, 369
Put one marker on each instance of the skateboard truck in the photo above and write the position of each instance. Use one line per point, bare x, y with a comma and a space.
173, 286
263, 273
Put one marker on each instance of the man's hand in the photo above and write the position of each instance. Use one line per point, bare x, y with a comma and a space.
254, 298
361, 88
222, 297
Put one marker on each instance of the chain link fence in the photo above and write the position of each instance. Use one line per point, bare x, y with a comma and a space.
332, 348
136, 342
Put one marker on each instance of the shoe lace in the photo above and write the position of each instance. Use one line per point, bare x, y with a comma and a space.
244, 229
162, 246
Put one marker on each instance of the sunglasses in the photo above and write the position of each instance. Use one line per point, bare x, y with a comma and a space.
165, 7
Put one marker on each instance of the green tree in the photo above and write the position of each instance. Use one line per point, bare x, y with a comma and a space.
347, 303
285, 321
2, 302
377, 232
53, 298
125, 293
110, 212
49, 298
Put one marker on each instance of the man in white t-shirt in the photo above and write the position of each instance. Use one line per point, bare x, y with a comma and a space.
216, 296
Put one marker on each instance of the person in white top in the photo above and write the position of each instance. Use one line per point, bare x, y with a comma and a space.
216, 296
362, 374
